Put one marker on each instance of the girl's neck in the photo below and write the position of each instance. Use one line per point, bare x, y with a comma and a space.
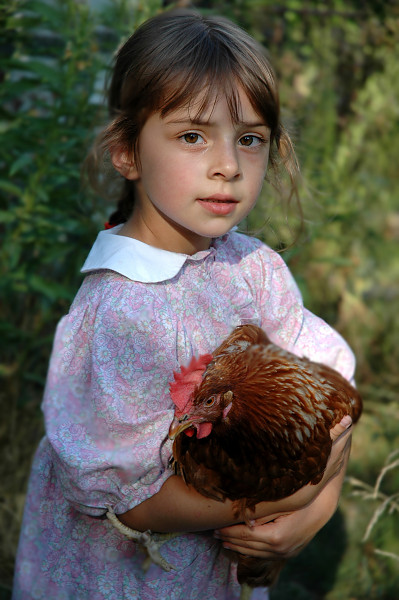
181, 241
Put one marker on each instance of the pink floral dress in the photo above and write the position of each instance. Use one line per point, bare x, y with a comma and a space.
141, 313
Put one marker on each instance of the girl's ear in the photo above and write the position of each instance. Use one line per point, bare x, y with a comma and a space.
124, 164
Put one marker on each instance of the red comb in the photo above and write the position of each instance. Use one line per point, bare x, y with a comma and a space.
187, 379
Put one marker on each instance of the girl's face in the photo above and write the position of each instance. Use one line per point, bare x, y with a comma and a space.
197, 178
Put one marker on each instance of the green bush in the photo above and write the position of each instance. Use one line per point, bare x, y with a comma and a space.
55, 57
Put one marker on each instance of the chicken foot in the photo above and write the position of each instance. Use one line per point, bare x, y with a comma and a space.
246, 592
149, 540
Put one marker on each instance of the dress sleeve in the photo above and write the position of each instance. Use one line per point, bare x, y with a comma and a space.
295, 328
106, 404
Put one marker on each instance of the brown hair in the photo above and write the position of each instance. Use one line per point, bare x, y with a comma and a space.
167, 63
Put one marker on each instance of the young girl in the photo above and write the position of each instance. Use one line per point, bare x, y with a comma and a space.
195, 123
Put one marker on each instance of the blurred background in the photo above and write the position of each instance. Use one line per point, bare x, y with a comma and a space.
338, 66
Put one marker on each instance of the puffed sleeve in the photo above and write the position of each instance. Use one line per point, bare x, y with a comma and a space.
294, 327
106, 403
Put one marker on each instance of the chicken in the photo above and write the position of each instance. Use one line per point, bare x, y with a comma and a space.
256, 422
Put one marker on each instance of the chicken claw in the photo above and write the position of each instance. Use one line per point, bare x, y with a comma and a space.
246, 592
146, 539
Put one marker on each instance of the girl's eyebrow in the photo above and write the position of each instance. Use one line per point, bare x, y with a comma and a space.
202, 122
250, 124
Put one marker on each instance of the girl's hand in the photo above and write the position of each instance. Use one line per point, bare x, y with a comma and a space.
285, 534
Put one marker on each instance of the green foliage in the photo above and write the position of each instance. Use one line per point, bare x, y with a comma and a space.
45, 119
55, 57
337, 62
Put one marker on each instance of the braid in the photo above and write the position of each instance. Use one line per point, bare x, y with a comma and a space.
125, 205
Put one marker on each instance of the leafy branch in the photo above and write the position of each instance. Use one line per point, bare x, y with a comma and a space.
389, 504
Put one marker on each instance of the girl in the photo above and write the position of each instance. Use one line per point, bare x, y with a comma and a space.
194, 124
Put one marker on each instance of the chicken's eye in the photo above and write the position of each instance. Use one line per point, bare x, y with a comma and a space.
209, 401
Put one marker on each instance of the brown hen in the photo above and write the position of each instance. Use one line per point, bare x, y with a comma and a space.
256, 421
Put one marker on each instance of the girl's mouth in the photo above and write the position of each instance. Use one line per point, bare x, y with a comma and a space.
219, 198
218, 204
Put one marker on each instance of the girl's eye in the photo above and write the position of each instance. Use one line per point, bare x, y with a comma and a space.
250, 140
192, 138
210, 401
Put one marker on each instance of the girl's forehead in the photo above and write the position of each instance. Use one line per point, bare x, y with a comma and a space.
209, 103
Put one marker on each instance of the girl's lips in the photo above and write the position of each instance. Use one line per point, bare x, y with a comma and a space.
219, 198
218, 204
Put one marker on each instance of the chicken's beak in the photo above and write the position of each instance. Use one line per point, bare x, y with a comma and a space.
179, 425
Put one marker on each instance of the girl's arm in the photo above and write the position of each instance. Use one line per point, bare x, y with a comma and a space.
178, 507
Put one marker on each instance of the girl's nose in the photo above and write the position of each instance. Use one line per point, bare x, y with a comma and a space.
224, 162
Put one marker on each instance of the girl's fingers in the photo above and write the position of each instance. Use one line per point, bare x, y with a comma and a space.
249, 538
240, 534
340, 427
252, 547
248, 547
250, 551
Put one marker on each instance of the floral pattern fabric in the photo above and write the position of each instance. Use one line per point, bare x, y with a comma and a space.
107, 412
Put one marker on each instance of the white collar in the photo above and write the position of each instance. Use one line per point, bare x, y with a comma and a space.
133, 259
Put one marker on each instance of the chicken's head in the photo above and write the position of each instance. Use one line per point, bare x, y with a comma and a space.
198, 416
